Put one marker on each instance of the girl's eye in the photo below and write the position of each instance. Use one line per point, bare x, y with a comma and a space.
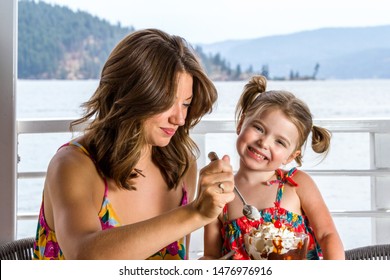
187, 105
259, 128
281, 143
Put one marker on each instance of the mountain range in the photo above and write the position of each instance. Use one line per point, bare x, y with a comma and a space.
55, 42
341, 53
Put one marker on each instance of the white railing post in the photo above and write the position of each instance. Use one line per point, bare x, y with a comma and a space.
380, 186
8, 137
201, 143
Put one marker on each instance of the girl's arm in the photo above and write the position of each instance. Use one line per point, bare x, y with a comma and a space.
320, 219
212, 241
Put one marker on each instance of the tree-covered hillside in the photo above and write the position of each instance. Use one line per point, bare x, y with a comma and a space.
55, 42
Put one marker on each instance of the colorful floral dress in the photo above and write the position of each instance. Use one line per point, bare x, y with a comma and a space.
46, 246
233, 231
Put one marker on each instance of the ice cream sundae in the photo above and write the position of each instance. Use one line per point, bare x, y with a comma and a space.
276, 243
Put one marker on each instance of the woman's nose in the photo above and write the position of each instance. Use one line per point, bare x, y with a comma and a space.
178, 116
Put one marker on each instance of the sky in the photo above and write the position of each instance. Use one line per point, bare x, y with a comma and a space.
210, 21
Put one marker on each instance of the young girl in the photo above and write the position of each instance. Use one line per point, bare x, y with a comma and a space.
273, 126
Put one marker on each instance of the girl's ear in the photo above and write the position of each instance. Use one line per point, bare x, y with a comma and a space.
239, 125
292, 157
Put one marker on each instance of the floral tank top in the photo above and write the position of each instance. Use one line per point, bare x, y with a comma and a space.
233, 231
46, 246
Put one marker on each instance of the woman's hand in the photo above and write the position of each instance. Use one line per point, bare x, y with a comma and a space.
216, 183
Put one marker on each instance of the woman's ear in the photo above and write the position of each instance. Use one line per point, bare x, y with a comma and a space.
292, 157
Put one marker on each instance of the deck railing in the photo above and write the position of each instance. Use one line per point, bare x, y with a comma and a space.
378, 131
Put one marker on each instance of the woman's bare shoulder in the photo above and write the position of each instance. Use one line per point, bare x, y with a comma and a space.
70, 166
70, 156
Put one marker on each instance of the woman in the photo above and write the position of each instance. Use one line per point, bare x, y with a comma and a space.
125, 189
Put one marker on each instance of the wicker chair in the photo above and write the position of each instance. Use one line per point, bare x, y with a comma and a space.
21, 249
373, 252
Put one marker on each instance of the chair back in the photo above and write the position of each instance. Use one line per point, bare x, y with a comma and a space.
20, 249
373, 252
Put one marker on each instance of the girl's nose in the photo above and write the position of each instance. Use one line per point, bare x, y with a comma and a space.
264, 142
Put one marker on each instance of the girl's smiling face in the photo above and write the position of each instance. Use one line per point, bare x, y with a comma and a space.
267, 141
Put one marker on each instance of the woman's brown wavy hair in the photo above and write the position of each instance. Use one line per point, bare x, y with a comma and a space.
138, 81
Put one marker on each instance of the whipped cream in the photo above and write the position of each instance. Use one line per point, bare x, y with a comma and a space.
268, 239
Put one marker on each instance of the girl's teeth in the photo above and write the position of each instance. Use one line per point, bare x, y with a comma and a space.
258, 155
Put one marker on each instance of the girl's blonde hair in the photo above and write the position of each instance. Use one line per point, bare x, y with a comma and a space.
138, 81
255, 100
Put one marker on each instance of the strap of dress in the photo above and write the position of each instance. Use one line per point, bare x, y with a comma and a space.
81, 147
184, 199
281, 179
225, 216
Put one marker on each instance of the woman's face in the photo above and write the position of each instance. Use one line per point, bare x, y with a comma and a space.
160, 128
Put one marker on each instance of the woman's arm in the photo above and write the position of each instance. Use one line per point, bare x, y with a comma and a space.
70, 194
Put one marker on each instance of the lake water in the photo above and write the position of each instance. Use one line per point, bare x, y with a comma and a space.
326, 99
340, 99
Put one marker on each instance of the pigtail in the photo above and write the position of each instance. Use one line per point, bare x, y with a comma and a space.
320, 141
256, 86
